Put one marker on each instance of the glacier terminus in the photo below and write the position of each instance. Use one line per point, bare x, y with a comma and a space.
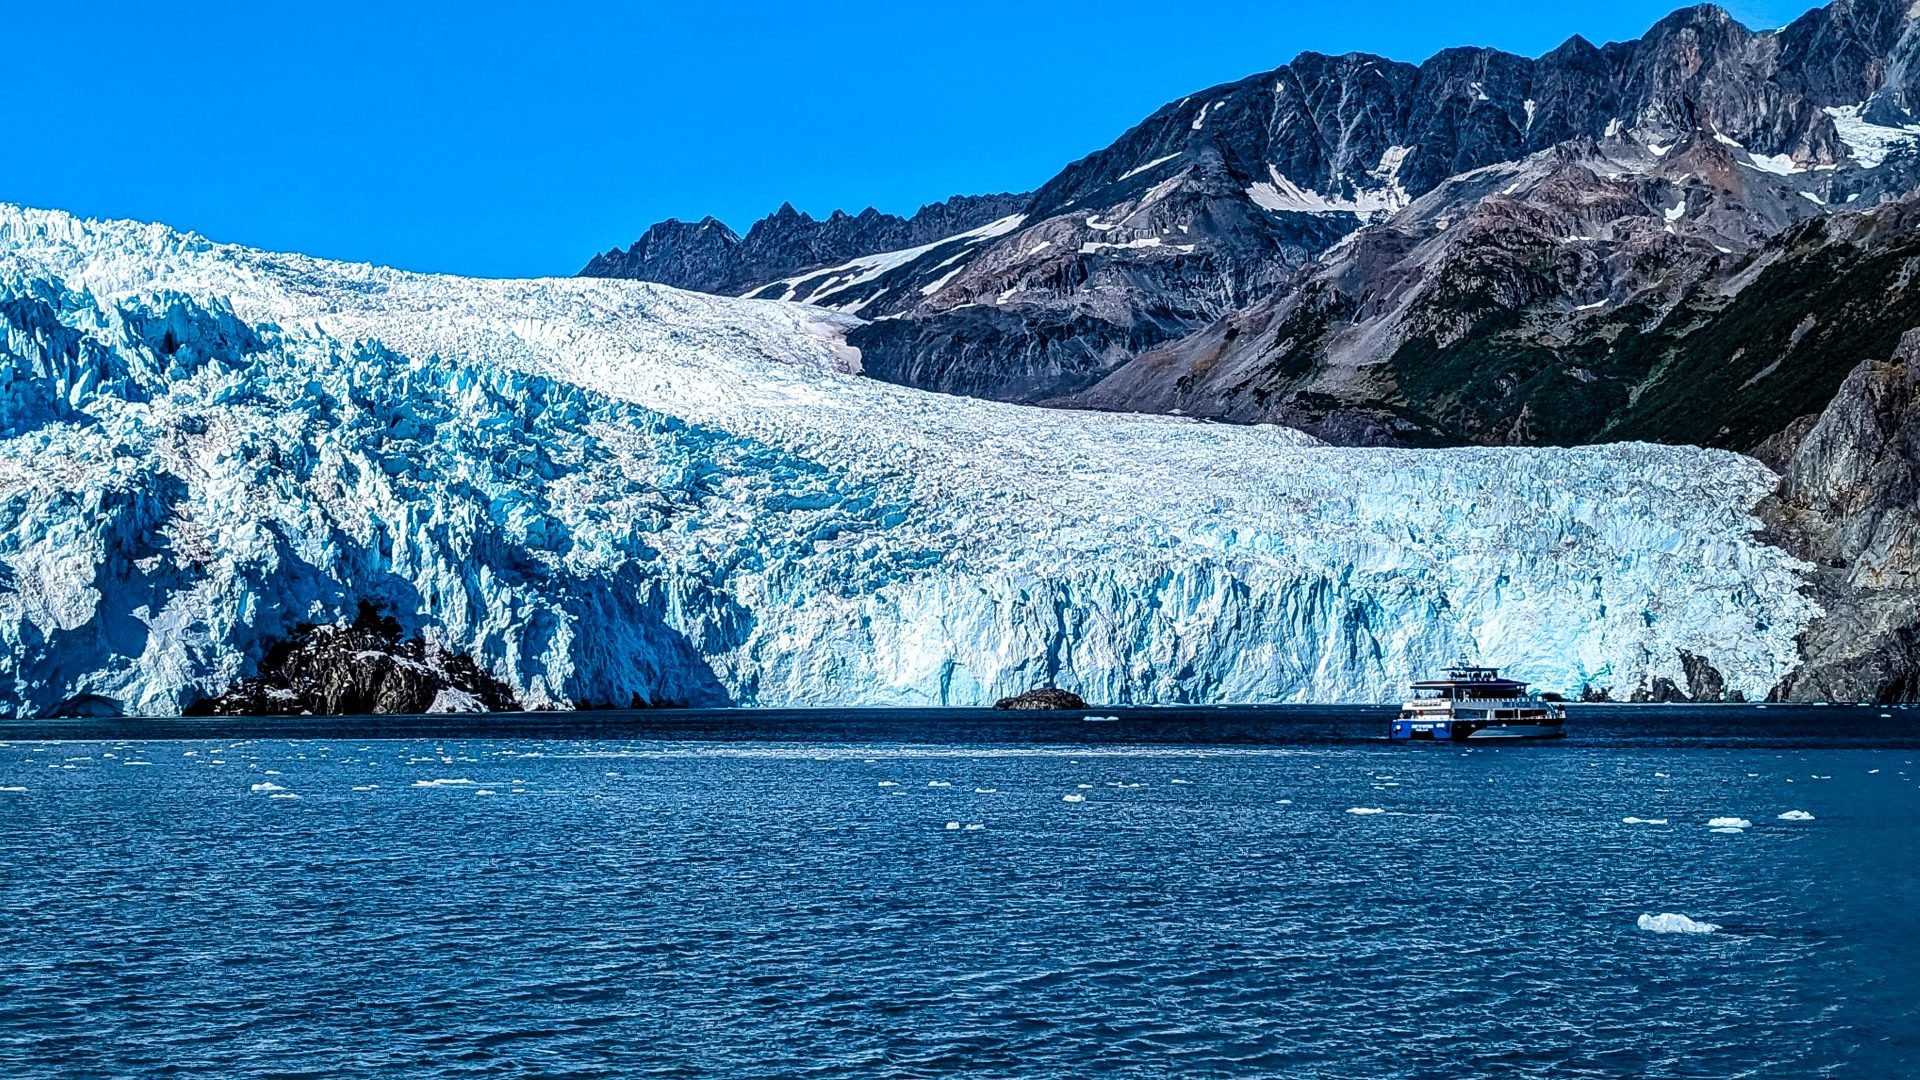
611, 493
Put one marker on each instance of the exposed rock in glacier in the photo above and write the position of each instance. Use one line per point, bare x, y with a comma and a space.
609, 491
359, 668
1043, 698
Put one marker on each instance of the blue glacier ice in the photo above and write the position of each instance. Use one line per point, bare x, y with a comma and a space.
609, 491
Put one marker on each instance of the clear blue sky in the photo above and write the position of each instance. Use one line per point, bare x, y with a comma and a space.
504, 139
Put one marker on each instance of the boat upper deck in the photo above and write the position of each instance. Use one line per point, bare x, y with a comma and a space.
1474, 682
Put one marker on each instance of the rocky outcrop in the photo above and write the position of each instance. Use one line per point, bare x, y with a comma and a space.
363, 668
1849, 503
706, 256
702, 255
1045, 698
1704, 681
1661, 692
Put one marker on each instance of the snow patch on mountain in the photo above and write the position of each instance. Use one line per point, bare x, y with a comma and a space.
1777, 164
1282, 195
1871, 144
825, 287
1136, 244
606, 491
1154, 164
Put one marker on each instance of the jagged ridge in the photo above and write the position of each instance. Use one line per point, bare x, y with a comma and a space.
709, 257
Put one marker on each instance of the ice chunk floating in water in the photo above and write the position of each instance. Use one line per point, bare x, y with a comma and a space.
1729, 823
1669, 923
1366, 810
1796, 815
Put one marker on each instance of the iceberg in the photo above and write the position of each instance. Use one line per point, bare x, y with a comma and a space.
1669, 923
608, 492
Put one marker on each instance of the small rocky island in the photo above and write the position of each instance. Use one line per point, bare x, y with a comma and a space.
1046, 697
364, 667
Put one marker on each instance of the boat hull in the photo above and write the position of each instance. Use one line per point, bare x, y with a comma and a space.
1441, 730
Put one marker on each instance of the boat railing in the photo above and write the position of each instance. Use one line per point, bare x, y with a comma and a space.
1443, 704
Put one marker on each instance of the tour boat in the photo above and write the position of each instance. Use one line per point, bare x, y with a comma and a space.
1476, 703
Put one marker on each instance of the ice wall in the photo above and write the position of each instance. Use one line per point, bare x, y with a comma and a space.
609, 491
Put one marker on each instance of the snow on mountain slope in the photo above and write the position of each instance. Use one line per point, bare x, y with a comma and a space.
608, 491
853, 286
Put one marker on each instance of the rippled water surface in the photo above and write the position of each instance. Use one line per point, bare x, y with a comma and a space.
910, 896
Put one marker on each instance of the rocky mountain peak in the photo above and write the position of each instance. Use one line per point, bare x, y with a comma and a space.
1338, 211
1696, 17
710, 257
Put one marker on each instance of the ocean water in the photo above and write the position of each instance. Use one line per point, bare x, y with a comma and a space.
1182, 892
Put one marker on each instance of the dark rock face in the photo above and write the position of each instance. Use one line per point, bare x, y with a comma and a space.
1704, 684
706, 256
1662, 692
1044, 698
1704, 681
362, 668
702, 255
1849, 502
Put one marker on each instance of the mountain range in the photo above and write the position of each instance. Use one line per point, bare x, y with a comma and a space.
1331, 243
1702, 236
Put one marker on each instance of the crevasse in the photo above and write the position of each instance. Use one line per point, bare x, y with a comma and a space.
608, 491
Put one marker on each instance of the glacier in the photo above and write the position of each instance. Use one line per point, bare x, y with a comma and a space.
609, 492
